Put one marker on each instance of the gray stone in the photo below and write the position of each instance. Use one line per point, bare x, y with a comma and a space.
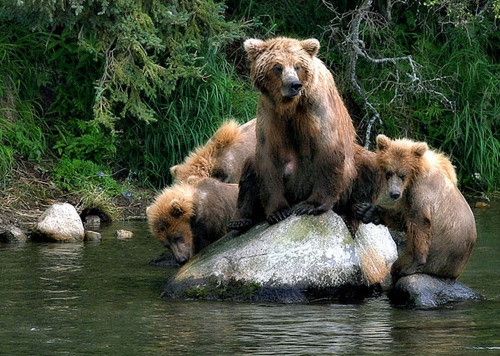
423, 291
92, 236
302, 258
59, 223
12, 234
124, 234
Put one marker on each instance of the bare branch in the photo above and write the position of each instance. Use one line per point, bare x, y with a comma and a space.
406, 71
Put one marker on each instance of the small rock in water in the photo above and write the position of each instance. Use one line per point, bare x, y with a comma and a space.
92, 220
124, 234
92, 236
12, 234
423, 291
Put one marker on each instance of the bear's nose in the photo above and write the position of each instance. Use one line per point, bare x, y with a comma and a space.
182, 260
395, 195
296, 86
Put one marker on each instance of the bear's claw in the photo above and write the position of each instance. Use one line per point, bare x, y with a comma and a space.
367, 213
278, 216
240, 224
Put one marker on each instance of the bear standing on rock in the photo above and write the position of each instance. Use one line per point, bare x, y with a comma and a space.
305, 136
429, 208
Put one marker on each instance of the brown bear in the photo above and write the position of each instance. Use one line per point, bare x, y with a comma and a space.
222, 157
305, 137
429, 208
187, 217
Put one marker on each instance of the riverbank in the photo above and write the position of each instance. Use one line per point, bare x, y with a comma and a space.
28, 190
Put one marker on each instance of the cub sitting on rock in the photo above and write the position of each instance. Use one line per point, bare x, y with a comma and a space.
429, 208
186, 217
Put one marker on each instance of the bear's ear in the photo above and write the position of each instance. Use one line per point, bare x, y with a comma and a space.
383, 142
419, 149
253, 47
176, 208
311, 46
173, 170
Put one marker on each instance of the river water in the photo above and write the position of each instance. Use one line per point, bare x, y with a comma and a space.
102, 298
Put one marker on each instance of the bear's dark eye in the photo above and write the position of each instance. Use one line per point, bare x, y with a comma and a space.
388, 174
402, 176
177, 239
278, 69
298, 67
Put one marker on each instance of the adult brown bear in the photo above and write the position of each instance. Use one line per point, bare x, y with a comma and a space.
305, 137
429, 208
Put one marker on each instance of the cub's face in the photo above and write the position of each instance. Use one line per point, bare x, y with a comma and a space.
399, 160
169, 222
177, 236
282, 67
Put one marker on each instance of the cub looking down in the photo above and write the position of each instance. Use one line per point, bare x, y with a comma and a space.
187, 217
429, 208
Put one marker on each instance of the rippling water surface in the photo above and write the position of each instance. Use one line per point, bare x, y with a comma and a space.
103, 299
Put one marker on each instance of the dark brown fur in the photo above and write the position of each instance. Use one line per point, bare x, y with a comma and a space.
305, 137
187, 217
429, 208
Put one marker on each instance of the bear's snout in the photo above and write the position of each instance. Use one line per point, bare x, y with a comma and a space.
182, 260
395, 195
291, 89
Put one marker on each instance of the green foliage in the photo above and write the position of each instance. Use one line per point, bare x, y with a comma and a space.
77, 175
446, 95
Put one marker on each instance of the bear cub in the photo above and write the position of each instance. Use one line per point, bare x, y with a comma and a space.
188, 217
429, 208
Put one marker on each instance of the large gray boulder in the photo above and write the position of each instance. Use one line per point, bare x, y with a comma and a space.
303, 258
422, 291
59, 223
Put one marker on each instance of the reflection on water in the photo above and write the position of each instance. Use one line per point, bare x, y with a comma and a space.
103, 299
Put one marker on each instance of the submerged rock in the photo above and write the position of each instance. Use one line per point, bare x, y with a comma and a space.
124, 234
12, 234
59, 223
92, 236
303, 258
423, 291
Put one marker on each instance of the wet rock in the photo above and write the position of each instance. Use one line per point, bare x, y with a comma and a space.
59, 223
12, 234
92, 236
124, 234
92, 220
301, 259
423, 291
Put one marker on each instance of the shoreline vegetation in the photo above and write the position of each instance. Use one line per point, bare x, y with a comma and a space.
99, 99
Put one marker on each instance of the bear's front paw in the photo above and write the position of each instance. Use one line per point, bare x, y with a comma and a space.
278, 216
307, 208
367, 213
240, 224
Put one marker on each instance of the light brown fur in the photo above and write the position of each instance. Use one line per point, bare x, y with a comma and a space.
188, 216
429, 208
221, 157
305, 136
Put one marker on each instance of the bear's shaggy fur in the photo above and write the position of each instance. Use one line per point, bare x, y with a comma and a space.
305, 136
187, 217
222, 157
429, 208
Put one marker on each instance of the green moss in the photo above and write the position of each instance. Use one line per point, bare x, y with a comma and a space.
197, 293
